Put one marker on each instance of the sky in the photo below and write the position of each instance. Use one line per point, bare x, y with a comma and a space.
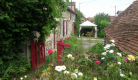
92, 7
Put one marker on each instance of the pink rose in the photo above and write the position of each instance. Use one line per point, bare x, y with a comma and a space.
125, 59
98, 62
50, 51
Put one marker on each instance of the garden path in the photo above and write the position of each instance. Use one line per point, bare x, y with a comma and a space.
88, 42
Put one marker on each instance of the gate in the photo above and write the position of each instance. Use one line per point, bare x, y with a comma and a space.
37, 54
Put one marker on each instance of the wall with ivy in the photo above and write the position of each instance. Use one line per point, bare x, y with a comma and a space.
18, 18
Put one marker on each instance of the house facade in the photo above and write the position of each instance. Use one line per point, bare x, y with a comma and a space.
66, 27
124, 30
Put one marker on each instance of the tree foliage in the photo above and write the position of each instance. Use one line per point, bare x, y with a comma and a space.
78, 21
103, 24
18, 18
98, 18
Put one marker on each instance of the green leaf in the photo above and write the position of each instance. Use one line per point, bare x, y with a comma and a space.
1, 62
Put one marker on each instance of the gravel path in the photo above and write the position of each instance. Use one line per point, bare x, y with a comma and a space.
92, 42
87, 45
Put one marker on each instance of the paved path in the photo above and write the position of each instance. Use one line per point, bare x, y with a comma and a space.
88, 45
92, 42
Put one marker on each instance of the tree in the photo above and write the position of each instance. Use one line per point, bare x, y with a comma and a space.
18, 18
78, 21
103, 24
98, 18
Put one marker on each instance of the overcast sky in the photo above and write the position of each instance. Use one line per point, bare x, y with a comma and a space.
92, 7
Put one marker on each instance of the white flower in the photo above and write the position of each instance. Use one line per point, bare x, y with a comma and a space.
25, 76
95, 78
113, 41
120, 71
73, 75
63, 67
66, 72
122, 75
80, 74
113, 44
107, 46
119, 54
58, 68
69, 55
111, 51
104, 53
76, 70
103, 58
119, 63
21, 78
107, 50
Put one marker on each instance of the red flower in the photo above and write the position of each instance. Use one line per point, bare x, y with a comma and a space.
76, 54
98, 62
50, 51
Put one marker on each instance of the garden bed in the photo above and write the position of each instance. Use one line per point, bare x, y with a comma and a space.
105, 64
96, 63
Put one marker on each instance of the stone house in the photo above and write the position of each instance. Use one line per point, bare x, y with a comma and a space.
65, 29
124, 30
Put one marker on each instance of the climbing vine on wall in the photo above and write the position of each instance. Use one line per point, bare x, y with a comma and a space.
18, 18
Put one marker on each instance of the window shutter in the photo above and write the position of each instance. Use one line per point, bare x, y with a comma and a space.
63, 27
66, 28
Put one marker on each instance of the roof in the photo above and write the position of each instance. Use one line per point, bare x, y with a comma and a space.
112, 17
71, 11
87, 23
73, 4
124, 30
90, 18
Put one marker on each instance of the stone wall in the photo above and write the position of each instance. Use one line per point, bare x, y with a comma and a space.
49, 44
70, 21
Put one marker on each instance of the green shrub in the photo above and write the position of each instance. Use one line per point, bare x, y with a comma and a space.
97, 48
14, 67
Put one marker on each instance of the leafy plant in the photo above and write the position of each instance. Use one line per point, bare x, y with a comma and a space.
78, 21
14, 67
97, 48
98, 18
19, 18
103, 24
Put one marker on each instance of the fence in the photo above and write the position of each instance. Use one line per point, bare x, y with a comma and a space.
37, 54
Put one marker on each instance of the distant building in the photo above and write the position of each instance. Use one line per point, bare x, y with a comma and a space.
83, 19
91, 19
119, 12
112, 18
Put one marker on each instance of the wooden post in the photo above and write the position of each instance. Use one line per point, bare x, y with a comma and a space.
60, 48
